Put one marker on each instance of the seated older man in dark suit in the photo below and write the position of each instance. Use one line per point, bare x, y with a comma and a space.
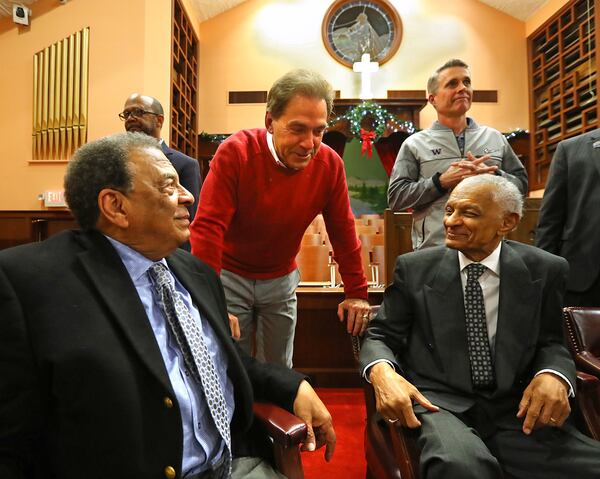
115, 354
467, 348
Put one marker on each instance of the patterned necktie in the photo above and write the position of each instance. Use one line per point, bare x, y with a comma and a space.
195, 354
480, 356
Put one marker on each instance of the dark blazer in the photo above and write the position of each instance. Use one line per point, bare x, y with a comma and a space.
569, 223
420, 326
83, 388
189, 174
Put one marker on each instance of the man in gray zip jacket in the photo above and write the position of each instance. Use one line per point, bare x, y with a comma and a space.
432, 162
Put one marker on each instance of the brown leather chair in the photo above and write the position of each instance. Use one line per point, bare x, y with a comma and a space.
391, 451
582, 330
588, 402
287, 432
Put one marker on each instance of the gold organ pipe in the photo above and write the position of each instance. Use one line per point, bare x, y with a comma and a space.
63, 97
84, 85
34, 154
51, 78
76, 89
70, 81
45, 103
60, 97
57, 86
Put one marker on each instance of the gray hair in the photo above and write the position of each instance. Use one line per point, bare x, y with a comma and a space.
100, 164
298, 82
434, 80
504, 193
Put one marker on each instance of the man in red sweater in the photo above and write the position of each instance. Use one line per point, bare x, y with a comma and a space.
264, 188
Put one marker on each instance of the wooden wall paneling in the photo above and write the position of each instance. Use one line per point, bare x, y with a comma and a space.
20, 227
563, 65
184, 82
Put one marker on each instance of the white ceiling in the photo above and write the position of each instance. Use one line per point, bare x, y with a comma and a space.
205, 9
520, 9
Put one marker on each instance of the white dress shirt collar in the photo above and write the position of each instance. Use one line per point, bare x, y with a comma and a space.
492, 262
271, 146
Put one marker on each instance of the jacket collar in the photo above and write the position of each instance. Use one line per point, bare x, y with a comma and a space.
471, 125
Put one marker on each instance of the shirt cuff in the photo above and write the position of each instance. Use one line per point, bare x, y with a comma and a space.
562, 376
365, 371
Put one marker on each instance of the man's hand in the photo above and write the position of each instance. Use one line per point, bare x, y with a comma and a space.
309, 408
394, 396
545, 402
358, 313
459, 170
234, 325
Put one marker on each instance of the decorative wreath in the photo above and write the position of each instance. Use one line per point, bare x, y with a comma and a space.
380, 120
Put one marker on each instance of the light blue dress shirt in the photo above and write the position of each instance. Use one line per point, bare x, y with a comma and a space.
202, 443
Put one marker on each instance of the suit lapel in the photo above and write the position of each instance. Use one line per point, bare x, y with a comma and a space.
110, 278
166, 150
518, 302
595, 152
445, 306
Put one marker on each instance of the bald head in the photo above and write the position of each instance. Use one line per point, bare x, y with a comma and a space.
144, 114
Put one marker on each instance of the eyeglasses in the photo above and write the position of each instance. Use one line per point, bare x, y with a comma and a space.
135, 112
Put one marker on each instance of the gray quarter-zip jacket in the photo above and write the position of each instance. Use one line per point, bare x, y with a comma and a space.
431, 151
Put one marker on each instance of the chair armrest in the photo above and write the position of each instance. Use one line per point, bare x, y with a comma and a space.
586, 381
588, 399
588, 362
285, 428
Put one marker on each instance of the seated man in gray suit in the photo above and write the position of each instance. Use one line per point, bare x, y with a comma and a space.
115, 354
468, 349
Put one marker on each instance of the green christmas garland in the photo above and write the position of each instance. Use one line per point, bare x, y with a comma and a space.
379, 117
218, 138
517, 132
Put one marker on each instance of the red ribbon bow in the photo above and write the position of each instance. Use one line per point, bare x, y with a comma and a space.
367, 138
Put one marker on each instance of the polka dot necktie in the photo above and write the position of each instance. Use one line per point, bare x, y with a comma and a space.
197, 359
480, 356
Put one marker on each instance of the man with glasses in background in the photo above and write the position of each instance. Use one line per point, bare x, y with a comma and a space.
145, 114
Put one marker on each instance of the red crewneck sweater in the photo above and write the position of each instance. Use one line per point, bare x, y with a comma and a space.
253, 212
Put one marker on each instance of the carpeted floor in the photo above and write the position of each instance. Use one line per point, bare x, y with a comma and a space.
347, 407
